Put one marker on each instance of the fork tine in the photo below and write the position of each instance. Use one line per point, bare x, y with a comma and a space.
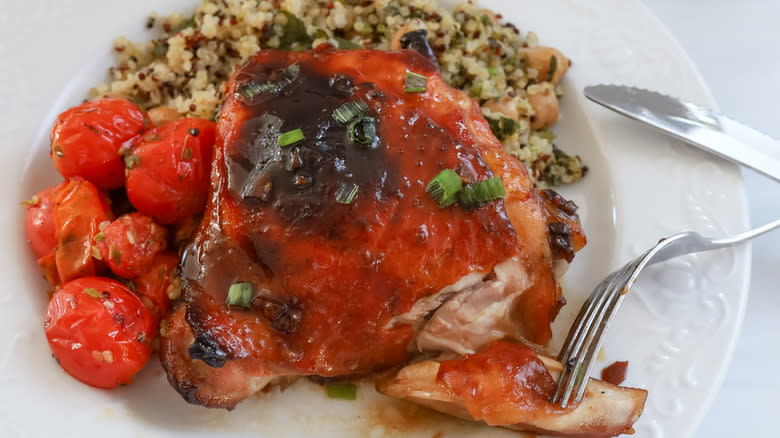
619, 292
587, 331
576, 342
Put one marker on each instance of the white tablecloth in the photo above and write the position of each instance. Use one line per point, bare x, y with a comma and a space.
736, 46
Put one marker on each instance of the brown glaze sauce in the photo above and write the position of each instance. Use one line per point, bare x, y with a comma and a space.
341, 272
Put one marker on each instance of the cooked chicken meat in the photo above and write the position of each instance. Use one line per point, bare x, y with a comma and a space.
353, 266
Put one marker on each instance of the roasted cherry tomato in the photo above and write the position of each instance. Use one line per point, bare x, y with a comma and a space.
99, 331
158, 285
39, 222
168, 172
87, 139
80, 210
128, 245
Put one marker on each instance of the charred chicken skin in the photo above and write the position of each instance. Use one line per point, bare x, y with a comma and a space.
350, 287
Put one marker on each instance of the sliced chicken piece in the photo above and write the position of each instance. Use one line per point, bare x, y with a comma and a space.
509, 385
478, 315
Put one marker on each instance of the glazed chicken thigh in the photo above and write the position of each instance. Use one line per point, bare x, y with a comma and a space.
359, 284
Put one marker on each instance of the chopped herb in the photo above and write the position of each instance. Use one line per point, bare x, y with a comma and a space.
58, 152
478, 194
290, 137
160, 50
240, 294
99, 237
491, 72
93, 293
552, 68
294, 35
253, 89
350, 110
114, 254
32, 202
346, 193
93, 129
344, 44
344, 391
503, 127
186, 154
546, 134
476, 89
146, 123
486, 21
363, 130
321, 34
415, 83
184, 24
444, 186
96, 253
132, 161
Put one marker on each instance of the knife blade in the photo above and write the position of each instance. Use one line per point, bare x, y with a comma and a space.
693, 124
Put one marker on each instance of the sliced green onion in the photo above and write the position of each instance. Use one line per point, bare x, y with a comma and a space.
350, 110
290, 137
240, 294
346, 193
344, 391
478, 194
444, 186
363, 130
415, 83
253, 89
552, 68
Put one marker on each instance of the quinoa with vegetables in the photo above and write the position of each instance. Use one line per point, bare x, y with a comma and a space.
516, 81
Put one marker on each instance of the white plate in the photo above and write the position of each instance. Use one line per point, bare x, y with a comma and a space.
677, 328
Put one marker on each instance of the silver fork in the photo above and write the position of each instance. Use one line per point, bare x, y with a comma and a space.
586, 334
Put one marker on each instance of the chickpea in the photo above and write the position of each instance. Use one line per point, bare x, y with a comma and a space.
541, 58
161, 115
545, 104
506, 106
395, 41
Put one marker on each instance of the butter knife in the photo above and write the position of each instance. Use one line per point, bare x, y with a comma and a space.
693, 124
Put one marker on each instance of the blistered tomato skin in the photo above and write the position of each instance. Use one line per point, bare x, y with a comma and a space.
78, 214
99, 332
39, 221
158, 284
86, 140
128, 245
168, 172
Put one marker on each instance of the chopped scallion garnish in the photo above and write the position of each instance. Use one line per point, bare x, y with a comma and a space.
290, 137
363, 130
346, 193
415, 83
344, 391
444, 186
477, 194
253, 89
350, 110
240, 294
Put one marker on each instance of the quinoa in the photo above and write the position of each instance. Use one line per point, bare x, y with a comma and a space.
187, 63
